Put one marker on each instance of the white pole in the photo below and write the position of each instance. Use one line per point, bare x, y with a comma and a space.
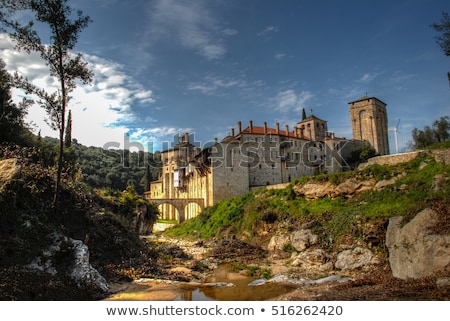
396, 140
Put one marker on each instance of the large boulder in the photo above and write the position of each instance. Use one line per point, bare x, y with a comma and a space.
8, 169
82, 271
351, 186
313, 191
300, 240
303, 239
75, 255
414, 250
348, 188
357, 258
277, 242
316, 259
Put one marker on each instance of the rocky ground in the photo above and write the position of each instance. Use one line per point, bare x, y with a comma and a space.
194, 261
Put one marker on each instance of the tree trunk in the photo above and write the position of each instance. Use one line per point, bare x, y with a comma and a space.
61, 129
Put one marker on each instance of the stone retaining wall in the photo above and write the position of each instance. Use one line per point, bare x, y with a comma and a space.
275, 186
390, 159
440, 155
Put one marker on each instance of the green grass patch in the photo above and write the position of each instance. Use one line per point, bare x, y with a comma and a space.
253, 270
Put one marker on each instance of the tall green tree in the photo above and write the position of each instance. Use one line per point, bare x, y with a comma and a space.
64, 27
441, 128
68, 138
439, 132
12, 116
361, 154
422, 137
147, 178
443, 40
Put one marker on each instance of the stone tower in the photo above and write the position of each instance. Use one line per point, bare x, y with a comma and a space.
370, 123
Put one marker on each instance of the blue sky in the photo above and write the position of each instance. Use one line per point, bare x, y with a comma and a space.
165, 67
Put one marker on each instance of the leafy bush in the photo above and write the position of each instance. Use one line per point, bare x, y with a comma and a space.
361, 154
289, 248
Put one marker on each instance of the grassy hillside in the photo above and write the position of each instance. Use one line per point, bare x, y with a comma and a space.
258, 214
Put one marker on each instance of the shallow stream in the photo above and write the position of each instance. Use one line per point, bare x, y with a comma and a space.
223, 285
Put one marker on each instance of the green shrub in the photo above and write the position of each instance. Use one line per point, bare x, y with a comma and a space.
289, 248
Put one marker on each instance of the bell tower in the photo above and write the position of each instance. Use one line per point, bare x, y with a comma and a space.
370, 123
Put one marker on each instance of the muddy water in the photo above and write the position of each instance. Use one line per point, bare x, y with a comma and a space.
240, 290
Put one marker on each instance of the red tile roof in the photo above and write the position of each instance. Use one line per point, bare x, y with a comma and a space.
258, 130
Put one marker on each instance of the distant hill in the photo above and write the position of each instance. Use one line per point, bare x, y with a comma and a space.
107, 168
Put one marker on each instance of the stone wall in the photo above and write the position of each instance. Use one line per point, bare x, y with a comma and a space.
440, 155
390, 159
231, 179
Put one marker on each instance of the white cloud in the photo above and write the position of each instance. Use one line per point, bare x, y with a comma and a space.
218, 85
191, 23
289, 100
286, 100
212, 85
204, 88
229, 31
369, 76
100, 111
157, 138
268, 31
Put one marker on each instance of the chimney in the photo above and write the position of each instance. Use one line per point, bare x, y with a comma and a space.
296, 131
186, 138
287, 130
251, 126
239, 127
232, 131
278, 128
265, 127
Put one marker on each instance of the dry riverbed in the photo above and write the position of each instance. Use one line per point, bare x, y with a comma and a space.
202, 271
